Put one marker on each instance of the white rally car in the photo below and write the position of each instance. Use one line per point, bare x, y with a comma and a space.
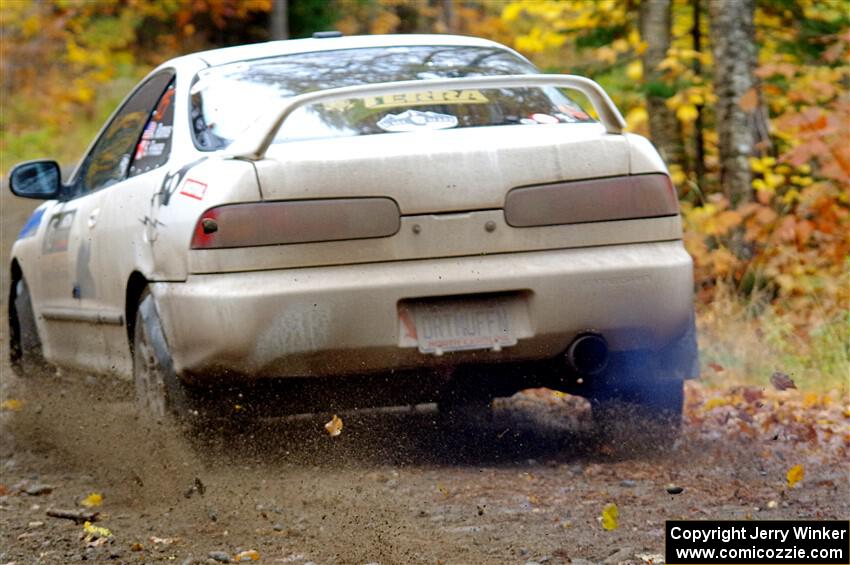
329, 222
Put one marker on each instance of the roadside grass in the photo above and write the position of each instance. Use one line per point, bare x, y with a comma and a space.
744, 340
31, 132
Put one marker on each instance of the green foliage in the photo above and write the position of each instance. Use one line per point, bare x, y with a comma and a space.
599, 36
309, 16
659, 89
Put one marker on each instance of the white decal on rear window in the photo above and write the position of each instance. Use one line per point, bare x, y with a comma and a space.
426, 98
412, 120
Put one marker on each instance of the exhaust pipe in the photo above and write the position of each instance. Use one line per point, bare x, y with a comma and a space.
588, 354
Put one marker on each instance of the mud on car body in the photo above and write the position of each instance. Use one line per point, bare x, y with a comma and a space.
320, 223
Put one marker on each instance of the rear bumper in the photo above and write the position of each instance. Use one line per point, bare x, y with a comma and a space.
343, 320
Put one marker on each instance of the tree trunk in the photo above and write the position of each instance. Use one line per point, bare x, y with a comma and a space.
699, 141
279, 24
655, 22
734, 52
449, 15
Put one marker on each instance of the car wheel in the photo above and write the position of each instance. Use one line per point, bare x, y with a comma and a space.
159, 393
25, 352
640, 416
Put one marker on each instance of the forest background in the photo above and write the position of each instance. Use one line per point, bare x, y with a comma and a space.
748, 101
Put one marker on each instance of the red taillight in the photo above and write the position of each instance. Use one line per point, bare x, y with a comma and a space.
204, 236
295, 221
592, 200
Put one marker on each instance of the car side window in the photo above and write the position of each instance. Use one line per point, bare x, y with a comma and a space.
155, 144
110, 159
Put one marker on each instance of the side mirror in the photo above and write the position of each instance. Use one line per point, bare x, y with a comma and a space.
36, 179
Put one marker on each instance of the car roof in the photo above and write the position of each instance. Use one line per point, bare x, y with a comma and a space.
226, 55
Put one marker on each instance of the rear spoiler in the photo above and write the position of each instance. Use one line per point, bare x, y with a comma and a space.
254, 142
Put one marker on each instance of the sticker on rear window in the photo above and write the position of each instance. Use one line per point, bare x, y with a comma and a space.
427, 98
413, 120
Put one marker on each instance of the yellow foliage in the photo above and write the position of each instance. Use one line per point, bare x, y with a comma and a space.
687, 113
636, 117
634, 70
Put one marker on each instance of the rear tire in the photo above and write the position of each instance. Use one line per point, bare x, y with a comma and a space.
25, 352
159, 393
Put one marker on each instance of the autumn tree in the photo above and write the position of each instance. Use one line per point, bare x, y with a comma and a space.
734, 52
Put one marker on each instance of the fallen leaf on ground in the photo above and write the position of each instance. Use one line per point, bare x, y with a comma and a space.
92, 500
12, 404
610, 514
251, 554
334, 427
795, 475
781, 381
96, 531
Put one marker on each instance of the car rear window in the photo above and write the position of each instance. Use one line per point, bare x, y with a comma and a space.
227, 99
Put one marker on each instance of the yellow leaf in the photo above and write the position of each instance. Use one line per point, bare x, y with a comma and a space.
687, 113
716, 402
334, 427
92, 500
12, 404
795, 475
96, 531
634, 70
610, 514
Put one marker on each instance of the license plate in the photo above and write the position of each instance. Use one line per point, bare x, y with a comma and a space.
462, 326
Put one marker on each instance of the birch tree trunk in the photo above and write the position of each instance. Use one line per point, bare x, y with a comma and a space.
279, 24
655, 22
734, 53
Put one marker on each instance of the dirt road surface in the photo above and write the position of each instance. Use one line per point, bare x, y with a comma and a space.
394, 486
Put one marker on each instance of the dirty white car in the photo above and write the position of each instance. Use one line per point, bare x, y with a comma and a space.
330, 222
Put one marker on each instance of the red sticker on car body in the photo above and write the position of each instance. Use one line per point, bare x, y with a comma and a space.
194, 189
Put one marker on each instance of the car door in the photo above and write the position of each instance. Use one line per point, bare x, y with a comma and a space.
83, 323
